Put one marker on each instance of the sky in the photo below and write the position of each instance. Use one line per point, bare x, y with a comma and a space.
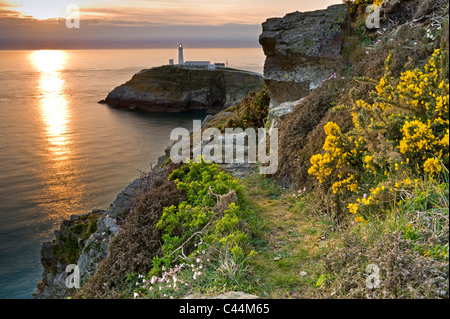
41, 24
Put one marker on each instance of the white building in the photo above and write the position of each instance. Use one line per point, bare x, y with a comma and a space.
198, 64
180, 55
195, 64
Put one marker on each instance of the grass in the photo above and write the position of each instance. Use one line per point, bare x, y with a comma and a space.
289, 243
302, 254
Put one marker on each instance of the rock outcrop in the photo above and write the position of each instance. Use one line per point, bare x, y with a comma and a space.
303, 49
82, 241
178, 89
227, 295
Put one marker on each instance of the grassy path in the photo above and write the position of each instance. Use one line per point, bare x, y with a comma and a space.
289, 243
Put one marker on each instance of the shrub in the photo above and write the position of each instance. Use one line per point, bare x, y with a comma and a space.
209, 219
252, 112
409, 245
301, 132
204, 237
403, 133
358, 7
138, 241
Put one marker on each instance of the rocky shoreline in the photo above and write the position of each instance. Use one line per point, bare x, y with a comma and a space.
84, 241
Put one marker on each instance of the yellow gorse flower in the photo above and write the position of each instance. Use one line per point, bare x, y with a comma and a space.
418, 137
432, 166
353, 208
403, 131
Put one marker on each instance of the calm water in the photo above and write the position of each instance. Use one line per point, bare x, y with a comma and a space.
61, 153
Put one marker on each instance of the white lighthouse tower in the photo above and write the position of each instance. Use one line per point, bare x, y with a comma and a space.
180, 55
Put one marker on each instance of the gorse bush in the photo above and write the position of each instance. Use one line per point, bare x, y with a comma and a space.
359, 6
409, 245
252, 112
209, 220
402, 133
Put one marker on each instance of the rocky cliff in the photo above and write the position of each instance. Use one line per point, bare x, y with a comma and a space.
177, 89
302, 49
83, 241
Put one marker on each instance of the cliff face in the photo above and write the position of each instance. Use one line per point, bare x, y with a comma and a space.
177, 89
302, 50
82, 241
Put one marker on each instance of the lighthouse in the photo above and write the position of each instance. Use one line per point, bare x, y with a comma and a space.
180, 55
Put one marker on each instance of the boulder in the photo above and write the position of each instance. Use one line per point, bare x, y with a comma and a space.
278, 113
125, 200
302, 50
226, 295
94, 252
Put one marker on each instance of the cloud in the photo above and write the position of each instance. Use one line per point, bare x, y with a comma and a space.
7, 10
211, 12
139, 23
53, 34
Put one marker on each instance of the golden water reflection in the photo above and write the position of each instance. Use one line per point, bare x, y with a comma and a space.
53, 103
63, 191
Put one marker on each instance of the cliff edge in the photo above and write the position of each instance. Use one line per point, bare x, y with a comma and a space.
302, 50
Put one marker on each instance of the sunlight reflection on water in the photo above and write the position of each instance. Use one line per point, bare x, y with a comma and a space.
63, 190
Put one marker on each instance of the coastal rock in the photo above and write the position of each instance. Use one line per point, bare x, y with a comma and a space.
278, 113
302, 49
47, 254
226, 295
69, 246
125, 200
178, 89
237, 169
108, 224
94, 252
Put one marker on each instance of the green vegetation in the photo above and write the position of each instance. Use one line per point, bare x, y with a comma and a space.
208, 220
386, 178
403, 134
70, 251
303, 253
204, 237
86, 226
252, 112
300, 252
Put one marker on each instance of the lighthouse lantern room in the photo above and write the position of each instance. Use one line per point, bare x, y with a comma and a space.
180, 55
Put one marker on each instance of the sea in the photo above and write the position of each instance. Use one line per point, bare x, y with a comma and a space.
62, 153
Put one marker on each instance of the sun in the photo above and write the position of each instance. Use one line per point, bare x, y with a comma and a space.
43, 9
48, 61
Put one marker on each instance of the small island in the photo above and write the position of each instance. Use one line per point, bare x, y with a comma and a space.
187, 86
